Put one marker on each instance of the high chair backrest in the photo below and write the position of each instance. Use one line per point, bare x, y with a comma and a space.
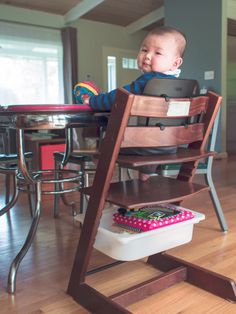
169, 88
120, 134
201, 110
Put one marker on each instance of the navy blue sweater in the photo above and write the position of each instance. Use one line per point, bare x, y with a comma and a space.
104, 101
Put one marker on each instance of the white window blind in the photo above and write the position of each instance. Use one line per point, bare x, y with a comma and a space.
30, 65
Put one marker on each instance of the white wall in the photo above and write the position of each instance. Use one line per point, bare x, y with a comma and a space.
18, 15
92, 37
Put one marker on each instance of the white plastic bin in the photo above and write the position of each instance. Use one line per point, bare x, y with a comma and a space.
124, 246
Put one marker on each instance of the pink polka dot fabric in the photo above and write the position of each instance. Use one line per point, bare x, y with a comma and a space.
141, 224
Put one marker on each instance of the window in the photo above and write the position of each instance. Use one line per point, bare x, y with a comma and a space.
129, 63
31, 65
111, 68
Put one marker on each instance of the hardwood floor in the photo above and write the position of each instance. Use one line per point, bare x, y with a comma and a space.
44, 273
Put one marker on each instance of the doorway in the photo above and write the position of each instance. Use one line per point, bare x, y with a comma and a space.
119, 67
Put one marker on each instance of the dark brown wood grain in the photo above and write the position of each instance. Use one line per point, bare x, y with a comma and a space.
137, 193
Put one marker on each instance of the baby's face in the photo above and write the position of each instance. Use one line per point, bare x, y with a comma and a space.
159, 53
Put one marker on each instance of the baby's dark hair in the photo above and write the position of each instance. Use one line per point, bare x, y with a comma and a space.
180, 36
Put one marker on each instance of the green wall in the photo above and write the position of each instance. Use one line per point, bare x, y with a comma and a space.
231, 70
202, 22
231, 81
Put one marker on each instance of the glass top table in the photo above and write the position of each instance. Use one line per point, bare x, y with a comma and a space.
42, 117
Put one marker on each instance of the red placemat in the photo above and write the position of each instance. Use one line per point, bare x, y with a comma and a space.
44, 108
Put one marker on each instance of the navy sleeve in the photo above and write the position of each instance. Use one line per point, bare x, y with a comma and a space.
104, 101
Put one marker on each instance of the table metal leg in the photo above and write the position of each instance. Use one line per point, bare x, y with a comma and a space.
30, 237
14, 197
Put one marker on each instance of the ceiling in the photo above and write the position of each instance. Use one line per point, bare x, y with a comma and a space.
133, 14
118, 12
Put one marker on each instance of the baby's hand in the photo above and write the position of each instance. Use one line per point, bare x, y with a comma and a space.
86, 101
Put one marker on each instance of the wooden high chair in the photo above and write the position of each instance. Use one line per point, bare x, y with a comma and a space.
156, 190
180, 88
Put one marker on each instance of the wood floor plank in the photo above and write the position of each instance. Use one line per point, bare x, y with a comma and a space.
44, 273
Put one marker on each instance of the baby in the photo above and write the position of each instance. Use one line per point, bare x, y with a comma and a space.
160, 56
